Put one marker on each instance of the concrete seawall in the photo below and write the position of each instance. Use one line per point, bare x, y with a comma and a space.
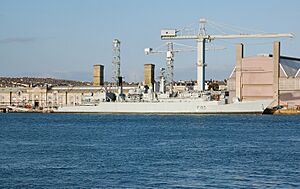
287, 112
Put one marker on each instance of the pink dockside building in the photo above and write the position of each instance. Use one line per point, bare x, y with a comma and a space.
268, 76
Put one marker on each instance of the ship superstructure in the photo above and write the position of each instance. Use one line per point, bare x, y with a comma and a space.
147, 102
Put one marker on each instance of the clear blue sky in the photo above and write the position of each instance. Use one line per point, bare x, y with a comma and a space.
64, 38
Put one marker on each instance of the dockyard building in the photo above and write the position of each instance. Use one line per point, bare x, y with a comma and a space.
266, 76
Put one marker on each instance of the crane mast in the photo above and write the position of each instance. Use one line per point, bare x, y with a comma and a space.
170, 53
202, 38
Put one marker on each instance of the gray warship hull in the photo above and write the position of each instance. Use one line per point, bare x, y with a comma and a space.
170, 107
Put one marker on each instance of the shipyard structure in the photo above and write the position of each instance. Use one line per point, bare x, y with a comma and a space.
263, 77
22, 97
259, 83
266, 76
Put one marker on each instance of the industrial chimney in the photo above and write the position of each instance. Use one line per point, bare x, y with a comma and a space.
149, 75
98, 75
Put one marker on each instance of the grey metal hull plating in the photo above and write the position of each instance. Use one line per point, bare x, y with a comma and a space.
190, 107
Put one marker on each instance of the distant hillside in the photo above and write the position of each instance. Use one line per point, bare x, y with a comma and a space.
34, 81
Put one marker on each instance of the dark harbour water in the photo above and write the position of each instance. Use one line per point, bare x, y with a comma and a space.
149, 151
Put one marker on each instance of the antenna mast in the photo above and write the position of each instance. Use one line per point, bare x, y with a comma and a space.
116, 60
170, 65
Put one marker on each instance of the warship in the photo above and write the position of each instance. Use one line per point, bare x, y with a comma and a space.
139, 101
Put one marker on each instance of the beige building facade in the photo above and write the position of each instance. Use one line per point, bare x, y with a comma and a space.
31, 97
41, 97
